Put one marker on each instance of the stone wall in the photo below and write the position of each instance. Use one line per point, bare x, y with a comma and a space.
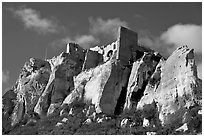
127, 44
109, 50
92, 59
76, 52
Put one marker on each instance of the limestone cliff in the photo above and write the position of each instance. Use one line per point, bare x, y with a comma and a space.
127, 88
174, 90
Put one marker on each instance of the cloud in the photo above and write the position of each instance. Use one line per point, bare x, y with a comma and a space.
101, 32
5, 76
85, 41
156, 43
184, 34
33, 20
105, 30
176, 36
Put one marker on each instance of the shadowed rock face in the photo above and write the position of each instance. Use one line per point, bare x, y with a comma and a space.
8, 103
120, 80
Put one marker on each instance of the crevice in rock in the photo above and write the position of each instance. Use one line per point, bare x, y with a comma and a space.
136, 96
156, 58
49, 98
24, 108
121, 101
122, 98
139, 54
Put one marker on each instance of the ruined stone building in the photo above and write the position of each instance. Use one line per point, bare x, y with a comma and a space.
125, 49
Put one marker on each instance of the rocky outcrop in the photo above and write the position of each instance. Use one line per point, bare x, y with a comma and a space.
8, 104
89, 86
174, 89
30, 86
41, 84
141, 72
59, 85
101, 86
121, 85
22, 99
112, 99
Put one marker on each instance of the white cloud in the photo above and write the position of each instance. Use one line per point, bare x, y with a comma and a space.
184, 34
85, 41
5, 76
105, 30
153, 42
33, 20
176, 36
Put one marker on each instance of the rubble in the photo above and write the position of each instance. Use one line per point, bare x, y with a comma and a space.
124, 122
151, 133
183, 128
64, 120
59, 124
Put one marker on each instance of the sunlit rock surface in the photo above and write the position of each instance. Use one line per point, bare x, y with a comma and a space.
176, 91
60, 82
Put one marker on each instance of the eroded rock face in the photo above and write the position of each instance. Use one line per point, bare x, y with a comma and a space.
41, 85
29, 86
60, 83
141, 72
112, 99
95, 86
103, 86
176, 91
8, 104
89, 86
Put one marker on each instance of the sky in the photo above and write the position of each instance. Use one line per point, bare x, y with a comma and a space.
29, 29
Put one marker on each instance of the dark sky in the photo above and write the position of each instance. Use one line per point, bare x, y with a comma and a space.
29, 28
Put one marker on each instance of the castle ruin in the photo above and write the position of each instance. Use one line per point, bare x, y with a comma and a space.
125, 49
